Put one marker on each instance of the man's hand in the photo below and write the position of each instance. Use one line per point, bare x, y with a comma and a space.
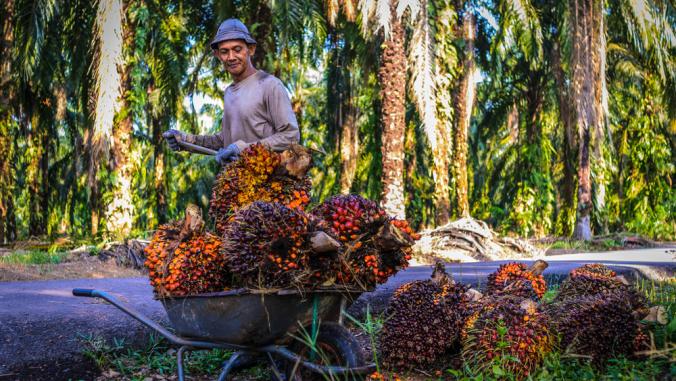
227, 154
173, 137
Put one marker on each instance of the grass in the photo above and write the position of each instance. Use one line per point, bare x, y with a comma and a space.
34, 257
156, 358
568, 244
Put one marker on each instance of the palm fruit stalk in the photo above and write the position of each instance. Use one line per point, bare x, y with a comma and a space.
374, 247
184, 260
519, 280
424, 321
593, 279
601, 325
508, 330
257, 175
265, 246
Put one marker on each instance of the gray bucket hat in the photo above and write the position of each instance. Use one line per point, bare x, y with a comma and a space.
232, 29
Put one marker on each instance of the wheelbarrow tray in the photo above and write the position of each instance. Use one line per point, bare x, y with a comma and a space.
253, 317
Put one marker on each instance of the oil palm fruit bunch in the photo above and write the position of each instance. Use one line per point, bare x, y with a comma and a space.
375, 247
351, 216
353, 221
594, 279
519, 280
264, 245
425, 319
601, 325
184, 260
255, 176
510, 331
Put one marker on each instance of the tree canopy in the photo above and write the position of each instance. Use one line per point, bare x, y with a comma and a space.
540, 117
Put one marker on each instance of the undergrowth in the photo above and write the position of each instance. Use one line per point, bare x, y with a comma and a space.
34, 257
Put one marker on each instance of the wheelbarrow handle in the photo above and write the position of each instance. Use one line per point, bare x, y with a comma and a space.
87, 292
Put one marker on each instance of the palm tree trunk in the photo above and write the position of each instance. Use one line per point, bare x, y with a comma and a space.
535, 100
6, 145
349, 147
567, 184
392, 75
349, 131
444, 63
119, 212
159, 177
585, 45
35, 177
600, 105
465, 103
265, 46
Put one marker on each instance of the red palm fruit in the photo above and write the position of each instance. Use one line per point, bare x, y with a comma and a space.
358, 224
511, 330
518, 279
180, 267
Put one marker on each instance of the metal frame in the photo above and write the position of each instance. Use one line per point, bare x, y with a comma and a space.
241, 355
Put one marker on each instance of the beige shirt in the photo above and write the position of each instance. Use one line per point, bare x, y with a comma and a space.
256, 109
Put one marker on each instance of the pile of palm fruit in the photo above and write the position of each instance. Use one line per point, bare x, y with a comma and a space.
596, 315
255, 176
264, 237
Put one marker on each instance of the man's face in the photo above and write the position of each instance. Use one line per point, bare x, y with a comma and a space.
235, 55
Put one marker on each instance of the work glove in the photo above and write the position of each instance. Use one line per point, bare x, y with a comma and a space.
173, 137
227, 154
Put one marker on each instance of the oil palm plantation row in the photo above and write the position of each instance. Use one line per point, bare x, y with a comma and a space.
540, 117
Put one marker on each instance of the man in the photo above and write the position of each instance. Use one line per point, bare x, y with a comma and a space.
256, 108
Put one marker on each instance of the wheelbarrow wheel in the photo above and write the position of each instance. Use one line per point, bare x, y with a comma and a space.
336, 346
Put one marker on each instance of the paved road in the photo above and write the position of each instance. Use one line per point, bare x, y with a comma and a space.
41, 323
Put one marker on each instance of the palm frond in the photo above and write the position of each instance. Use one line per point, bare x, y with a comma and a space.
32, 18
375, 15
652, 33
421, 58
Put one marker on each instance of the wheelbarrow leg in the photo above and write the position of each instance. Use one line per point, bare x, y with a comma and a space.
179, 356
238, 360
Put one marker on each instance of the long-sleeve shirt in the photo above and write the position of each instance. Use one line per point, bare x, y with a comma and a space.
257, 109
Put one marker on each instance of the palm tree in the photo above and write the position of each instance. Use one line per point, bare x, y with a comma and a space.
6, 128
110, 136
386, 15
441, 139
464, 103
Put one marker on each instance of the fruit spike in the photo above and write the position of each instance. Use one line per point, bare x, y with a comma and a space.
424, 321
265, 245
507, 326
183, 260
255, 176
518, 279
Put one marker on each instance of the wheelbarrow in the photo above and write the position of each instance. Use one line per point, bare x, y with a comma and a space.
261, 324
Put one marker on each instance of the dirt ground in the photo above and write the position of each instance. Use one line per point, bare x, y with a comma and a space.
83, 267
